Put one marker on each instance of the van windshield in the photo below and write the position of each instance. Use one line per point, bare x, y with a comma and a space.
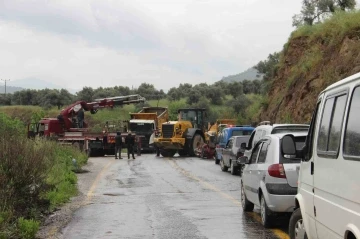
299, 143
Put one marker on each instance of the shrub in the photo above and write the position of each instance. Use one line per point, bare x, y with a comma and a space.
35, 177
27, 228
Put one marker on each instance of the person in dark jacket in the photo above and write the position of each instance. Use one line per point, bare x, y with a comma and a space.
80, 118
130, 142
118, 145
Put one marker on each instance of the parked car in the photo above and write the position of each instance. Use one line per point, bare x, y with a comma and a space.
265, 128
270, 178
231, 153
226, 134
328, 198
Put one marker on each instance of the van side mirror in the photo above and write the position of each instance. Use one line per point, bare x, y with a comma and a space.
243, 160
288, 147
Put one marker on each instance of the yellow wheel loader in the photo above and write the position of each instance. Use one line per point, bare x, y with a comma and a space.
183, 136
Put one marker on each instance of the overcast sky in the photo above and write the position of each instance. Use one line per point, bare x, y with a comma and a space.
76, 43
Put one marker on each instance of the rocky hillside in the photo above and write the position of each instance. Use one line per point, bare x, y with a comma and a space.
314, 57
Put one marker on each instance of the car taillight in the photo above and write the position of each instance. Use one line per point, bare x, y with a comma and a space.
217, 146
277, 171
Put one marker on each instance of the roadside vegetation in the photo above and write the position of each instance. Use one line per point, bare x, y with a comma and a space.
35, 177
316, 56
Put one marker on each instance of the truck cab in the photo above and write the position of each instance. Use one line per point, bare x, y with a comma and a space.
146, 123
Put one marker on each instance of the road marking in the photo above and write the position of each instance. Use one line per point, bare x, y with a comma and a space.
279, 233
97, 179
89, 195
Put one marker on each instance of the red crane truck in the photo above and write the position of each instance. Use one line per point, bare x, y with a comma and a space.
65, 128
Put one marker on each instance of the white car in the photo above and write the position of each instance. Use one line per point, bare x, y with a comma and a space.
270, 178
328, 198
265, 128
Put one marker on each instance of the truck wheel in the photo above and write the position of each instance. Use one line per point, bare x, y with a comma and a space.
195, 140
168, 153
89, 153
182, 152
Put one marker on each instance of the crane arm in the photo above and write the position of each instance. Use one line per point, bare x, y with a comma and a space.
73, 109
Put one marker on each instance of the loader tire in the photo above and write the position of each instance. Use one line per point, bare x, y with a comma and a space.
197, 138
182, 152
168, 153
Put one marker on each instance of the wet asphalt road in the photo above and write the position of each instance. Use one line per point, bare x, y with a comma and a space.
156, 197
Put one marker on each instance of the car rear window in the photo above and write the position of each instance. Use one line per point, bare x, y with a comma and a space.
299, 142
241, 132
289, 129
241, 140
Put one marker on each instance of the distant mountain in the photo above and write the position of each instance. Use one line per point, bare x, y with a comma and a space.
36, 84
9, 89
33, 83
249, 74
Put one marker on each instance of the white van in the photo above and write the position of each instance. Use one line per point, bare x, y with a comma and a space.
328, 198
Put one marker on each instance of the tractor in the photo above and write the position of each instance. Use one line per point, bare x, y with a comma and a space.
183, 136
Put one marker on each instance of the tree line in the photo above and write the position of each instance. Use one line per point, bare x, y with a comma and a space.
216, 92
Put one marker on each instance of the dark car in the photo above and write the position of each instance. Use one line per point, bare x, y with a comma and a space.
231, 153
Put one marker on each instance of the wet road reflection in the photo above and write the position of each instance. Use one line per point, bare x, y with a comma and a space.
155, 197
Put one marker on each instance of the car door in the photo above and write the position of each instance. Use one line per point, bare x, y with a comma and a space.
249, 175
329, 190
233, 150
226, 152
218, 146
250, 144
261, 168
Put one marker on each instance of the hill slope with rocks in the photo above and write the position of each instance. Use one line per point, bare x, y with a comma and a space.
313, 58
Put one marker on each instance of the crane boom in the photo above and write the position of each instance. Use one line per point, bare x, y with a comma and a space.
72, 110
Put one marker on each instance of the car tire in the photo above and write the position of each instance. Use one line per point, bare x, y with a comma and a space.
217, 161
296, 226
265, 213
222, 166
245, 203
233, 169
241, 169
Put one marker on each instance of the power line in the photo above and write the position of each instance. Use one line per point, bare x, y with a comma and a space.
5, 84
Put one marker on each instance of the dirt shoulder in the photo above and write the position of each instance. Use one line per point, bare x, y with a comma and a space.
53, 224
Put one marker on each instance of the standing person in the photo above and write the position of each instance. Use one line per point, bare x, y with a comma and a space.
130, 142
118, 145
80, 118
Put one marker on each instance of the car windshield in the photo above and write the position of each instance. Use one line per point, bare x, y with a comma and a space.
241, 132
241, 140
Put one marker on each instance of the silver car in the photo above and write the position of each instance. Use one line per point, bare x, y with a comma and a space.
269, 179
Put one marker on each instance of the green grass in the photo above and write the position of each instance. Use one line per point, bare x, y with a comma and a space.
43, 163
333, 30
62, 174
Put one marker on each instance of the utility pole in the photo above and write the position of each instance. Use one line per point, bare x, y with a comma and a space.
5, 84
